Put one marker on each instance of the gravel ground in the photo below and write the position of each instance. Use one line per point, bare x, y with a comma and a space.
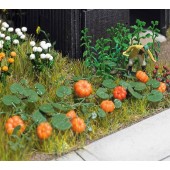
164, 56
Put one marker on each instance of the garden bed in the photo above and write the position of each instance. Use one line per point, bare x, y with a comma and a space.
40, 85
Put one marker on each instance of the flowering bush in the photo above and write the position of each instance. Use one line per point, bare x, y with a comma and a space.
10, 37
40, 56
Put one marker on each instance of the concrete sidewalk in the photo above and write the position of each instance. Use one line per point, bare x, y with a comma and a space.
148, 140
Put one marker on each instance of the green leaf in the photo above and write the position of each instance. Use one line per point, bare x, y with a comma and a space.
102, 93
24, 82
47, 108
124, 84
10, 100
155, 96
38, 117
138, 86
134, 94
40, 89
62, 106
84, 109
118, 103
109, 83
16, 88
154, 83
63, 91
24, 116
16, 130
32, 96
60, 122
101, 113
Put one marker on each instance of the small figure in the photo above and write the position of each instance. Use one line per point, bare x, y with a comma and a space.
138, 51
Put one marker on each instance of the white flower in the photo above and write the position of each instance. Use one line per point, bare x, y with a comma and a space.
1, 46
34, 49
39, 49
15, 41
7, 38
2, 35
3, 28
4, 24
22, 37
10, 29
24, 29
1, 41
42, 56
32, 43
44, 46
17, 30
42, 43
19, 33
49, 45
32, 56
51, 58
47, 55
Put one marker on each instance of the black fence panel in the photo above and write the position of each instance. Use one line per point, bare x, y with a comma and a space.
65, 25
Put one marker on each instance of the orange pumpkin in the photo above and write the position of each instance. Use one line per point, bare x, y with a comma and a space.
12, 123
107, 106
71, 114
13, 54
82, 88
10, 60
78, 125
162, 87
119, 92
4, 68
142, 76
44, 130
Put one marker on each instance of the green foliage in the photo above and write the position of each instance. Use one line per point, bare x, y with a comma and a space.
63, 91
62, 106
118, 103
153, 83
102, 93
137, 29
109, 83
134, 94
154, 45
47, 109
155, 96
40, 89
105, 56
37, 117
11, 100
138, 86
60, 122
101, 113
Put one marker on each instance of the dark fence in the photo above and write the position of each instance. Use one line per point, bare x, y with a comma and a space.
65, 25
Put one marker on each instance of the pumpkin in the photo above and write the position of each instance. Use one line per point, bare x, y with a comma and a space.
13, 54
141, 76
82, 88
71, 114
2, 55
119, 92
4, 68
10, 60
12, 123
44, 130
78, 125
107, 106
162, 87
